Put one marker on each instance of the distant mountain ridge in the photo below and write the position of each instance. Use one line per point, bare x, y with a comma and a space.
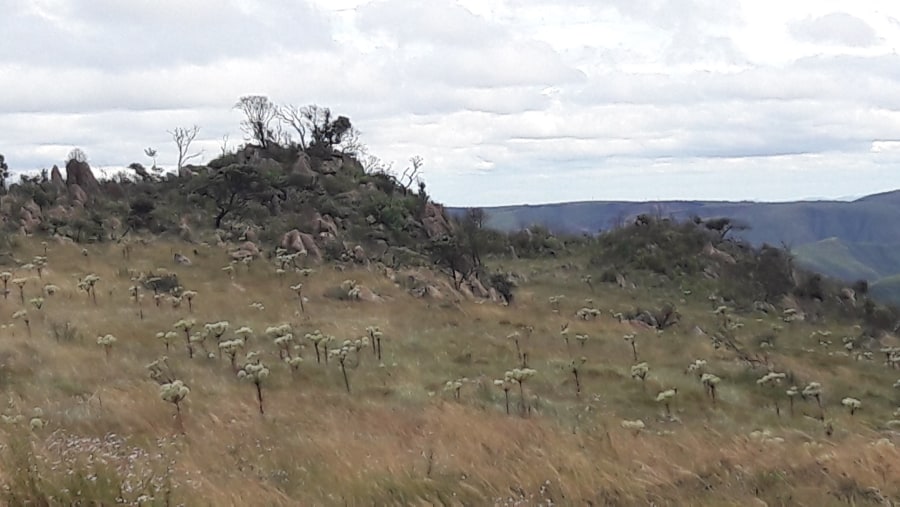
851, 240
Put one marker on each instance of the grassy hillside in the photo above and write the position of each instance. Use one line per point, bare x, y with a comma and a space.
847, 240
89, 426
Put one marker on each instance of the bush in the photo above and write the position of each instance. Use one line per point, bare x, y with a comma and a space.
167, 283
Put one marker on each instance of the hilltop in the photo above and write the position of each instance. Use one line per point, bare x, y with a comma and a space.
847, 240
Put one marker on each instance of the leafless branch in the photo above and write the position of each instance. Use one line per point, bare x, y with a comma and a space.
183, 138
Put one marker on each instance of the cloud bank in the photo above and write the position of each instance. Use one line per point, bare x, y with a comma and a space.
507, 102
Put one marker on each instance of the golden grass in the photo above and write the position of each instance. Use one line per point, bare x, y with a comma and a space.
399, 439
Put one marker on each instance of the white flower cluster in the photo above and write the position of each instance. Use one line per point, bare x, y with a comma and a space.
174, 392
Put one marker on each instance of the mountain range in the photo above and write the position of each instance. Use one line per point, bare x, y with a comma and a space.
849, 240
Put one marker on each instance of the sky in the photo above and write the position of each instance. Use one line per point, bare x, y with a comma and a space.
507, 102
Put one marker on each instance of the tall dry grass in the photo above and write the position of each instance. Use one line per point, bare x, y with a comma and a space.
399, 439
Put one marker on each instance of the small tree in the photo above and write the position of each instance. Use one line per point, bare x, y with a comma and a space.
5, 277
574, 366
506, 383
640, 372
342, 354
254, 371
230, 348
375, 336
852, 404
88, 285
189, 295
319, 341
771, 381
299, 290
175, 392
259, 113
186, 325
630, 340
107, 343
23, 316
20, 284
183, 138
167, 337
665, 397
792, 392
4, 173
520, 376
710, 382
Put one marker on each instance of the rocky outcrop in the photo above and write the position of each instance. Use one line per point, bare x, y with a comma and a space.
77, 194
359, 255
302, 243
302, 168
435, 221
714, 253
323, 225
56, 179
245, 250
79, 173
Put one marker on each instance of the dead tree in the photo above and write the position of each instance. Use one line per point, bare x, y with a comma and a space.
183, 138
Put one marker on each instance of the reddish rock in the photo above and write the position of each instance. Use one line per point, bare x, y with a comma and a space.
78, 195
56, 178
79, 173
296, 241
435, 221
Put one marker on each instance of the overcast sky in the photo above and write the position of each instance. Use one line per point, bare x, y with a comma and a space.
508, 102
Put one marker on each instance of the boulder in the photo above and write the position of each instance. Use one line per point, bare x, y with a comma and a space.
56, 178
435, 221
366, 294
184, 230
182, 260
323, 225
58, 212
303, 169
848, 295
29, 222
714, 253
296, 241
33, 208
250, 247
78, 195
359, 255
79, 173
241, 254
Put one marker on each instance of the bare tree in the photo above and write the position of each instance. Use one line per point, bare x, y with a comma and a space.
4, 173
183, 138
259, 113
412, 173
350, 143
224, 144
294, 118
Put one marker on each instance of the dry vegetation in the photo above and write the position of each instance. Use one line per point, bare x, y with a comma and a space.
87, 427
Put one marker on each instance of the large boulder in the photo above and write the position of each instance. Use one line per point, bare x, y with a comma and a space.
435, 221
78, 195
323, 225
79, 173
302, 243
56, 178
710, 251
303, 168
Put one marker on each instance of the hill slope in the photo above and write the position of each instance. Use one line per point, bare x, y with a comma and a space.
848, 240
428, 424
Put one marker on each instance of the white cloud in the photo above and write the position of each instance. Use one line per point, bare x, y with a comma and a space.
507, 101
835, 28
